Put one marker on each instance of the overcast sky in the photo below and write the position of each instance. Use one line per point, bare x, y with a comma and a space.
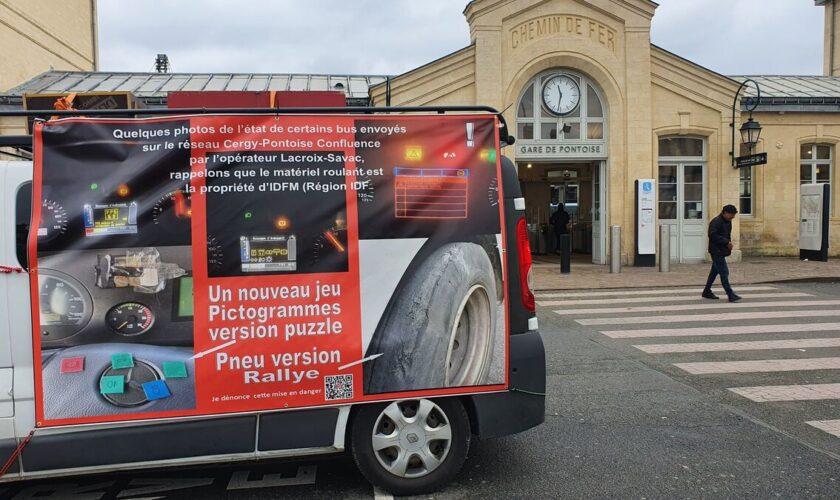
393, 36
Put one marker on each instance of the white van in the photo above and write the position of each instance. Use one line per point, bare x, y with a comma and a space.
462, 284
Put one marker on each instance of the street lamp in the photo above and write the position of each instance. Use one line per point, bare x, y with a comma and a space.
751, 129
750, 132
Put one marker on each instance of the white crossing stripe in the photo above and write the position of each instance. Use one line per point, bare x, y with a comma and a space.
379, 494
722, 317
638, 300
829, 426
756, 345
759, 366
704, 331
693, 307
810, 392
658, 291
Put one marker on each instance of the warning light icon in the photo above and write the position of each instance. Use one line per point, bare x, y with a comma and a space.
488, 155
414, 153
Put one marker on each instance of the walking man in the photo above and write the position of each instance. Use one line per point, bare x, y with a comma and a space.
720, 246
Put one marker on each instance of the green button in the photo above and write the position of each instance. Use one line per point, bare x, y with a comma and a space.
174, 369
112, 384
122, 360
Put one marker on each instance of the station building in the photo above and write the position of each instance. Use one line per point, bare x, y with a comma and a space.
594, 106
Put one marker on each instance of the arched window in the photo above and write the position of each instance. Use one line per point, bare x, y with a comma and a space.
545, 114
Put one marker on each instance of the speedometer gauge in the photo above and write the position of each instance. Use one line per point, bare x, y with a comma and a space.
172, 212
215, 255
53, 221
493, 192
331, 246
65, 305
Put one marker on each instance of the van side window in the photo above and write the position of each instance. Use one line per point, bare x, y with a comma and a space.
23, 212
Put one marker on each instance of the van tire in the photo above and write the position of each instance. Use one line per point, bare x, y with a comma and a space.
375, 422
440, 329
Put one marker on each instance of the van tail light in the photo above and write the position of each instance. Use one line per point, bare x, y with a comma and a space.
525, 262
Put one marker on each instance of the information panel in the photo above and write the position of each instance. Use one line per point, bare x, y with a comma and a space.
211, 264
645, 222
814, 208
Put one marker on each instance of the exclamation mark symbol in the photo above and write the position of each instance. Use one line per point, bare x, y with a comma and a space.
470, 130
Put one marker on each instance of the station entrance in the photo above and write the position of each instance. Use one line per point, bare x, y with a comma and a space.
581, 188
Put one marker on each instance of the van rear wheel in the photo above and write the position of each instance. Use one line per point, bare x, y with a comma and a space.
412, 446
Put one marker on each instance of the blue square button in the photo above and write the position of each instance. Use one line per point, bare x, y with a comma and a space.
156, 390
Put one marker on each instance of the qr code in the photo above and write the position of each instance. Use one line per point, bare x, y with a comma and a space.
338, 387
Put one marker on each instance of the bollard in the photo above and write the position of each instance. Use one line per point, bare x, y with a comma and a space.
664, 248
565, 254
615, 249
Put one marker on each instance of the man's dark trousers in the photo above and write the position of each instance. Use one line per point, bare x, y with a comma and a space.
719, 267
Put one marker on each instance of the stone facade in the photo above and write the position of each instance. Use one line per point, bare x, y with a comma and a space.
37, 35
649, 93
774, 228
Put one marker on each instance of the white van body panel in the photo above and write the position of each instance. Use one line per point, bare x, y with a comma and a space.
17, 391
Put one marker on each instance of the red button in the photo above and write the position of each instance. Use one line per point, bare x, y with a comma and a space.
73, 365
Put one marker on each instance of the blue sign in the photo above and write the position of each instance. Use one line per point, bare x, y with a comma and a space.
647, 187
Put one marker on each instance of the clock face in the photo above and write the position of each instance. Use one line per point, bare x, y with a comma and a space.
561, 95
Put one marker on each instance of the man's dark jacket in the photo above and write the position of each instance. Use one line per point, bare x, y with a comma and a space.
560, 219
720, 234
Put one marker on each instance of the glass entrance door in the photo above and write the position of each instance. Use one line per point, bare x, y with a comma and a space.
682, 205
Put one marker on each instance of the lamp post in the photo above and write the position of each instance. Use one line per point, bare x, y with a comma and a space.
751, 129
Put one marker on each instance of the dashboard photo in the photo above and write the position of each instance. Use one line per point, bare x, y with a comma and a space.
276, 231
115, 291
116, 331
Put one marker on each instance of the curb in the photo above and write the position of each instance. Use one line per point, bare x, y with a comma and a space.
815, 279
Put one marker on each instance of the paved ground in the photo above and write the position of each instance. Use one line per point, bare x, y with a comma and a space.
585, 275
652, 393
774, 356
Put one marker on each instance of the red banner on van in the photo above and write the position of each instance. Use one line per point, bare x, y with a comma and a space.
206, 265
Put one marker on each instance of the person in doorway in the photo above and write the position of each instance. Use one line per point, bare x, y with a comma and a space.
720, 247
560, 221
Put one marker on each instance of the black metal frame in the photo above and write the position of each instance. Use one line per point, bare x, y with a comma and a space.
751, 103
26, 140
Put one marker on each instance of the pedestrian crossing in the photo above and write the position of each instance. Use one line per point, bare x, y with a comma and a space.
693, 307
637, 300
775, 334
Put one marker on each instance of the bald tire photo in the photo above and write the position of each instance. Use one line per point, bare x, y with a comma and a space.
411, 447
440, 329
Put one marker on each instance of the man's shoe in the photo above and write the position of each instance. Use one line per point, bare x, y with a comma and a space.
735, 298
710, 295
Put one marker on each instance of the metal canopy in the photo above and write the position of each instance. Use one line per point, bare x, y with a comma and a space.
795, 93
157, 85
